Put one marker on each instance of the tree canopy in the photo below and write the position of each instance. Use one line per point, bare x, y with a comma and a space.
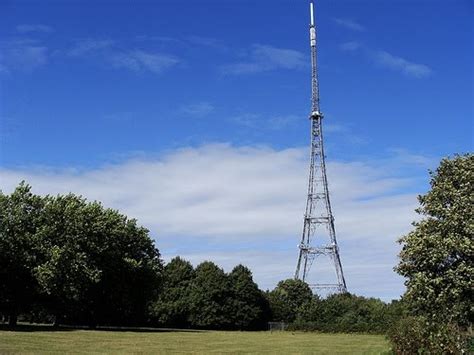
437, 257
83, 262
287, 298
21, 213
71, 261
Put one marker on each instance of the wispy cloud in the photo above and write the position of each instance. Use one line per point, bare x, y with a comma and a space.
88, 46
138, 60
243, 199
257, 121
400, 64
25, 28
349, 24
265, 58
22, 55
210, 42
135, 60
387, 60
350, 46
199, 109
284, 121
250, 120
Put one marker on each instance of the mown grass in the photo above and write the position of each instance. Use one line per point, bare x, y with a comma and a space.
45, 341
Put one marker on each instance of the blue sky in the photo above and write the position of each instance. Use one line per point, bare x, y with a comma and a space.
192, 117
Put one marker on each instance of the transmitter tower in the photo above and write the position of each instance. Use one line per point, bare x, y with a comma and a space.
319, 235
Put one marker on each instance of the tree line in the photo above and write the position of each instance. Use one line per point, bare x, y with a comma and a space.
75, 260
66, 260
69, 261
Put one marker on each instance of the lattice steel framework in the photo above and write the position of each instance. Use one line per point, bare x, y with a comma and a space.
319, 235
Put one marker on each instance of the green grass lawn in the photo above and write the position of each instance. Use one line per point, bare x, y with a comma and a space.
37, 340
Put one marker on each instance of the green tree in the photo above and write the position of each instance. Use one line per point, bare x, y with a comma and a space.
66, 272
437, 256
172, 307
98, 265
210, 297
287, 298
20, 216
249, 307
131, 270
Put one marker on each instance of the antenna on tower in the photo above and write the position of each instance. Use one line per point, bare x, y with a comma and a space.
319, 234
312, 28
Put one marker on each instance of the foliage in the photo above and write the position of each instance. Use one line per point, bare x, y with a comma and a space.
249, 307
64, 271
20, 216
417, 335
86, 264
78, 260
171, 309
209, 298
438, 255
347, 313
286, 299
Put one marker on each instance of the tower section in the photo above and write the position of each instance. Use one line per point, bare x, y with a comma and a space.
318, 239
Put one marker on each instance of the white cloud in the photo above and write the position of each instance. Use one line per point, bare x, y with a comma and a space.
25, 28
386, 60
245, 205
200, 109
349, 24
88, 46
22, 55
391, 61
350, 46
135, 60
265, 58
138, 60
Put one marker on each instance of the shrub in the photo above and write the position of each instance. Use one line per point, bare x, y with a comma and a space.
347, 313
416, 335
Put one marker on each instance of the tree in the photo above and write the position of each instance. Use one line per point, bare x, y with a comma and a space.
249, 307
172, 307
131, 270
98, 266
66, 273
209, 298
346, 312
20, 216
437, 256
287, 298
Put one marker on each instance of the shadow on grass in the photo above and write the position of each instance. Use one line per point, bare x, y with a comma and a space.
62, 328
32, 328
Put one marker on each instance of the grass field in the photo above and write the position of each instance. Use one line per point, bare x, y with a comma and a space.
41, 341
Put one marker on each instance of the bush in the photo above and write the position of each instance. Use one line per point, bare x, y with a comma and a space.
416, 335
347, 313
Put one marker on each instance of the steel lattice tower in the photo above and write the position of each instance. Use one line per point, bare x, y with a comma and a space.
319, 235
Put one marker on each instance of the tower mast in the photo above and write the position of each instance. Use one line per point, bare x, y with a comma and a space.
319, 235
